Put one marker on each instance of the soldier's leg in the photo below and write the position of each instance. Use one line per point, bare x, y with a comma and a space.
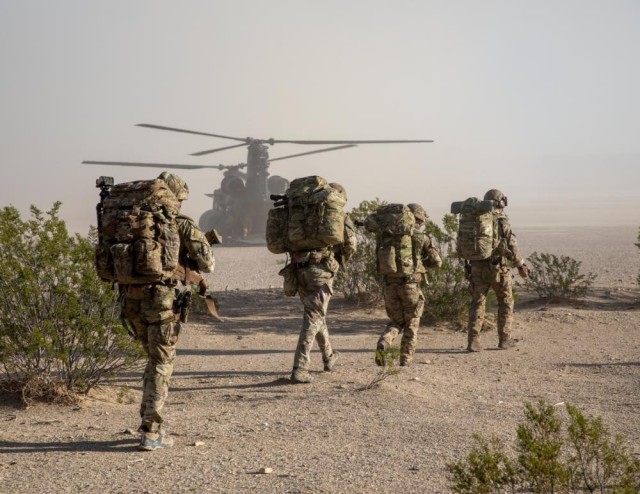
504, 296
478, 287
413, 301
322, 336
315, 300
157, 309
393, 306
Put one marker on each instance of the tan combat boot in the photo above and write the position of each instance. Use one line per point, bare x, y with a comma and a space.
330, 362
506, 342
301, 376
474, 344
382, 346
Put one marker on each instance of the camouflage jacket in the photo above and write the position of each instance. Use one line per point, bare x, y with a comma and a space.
347, 248
507, 247
426, 254
195, 250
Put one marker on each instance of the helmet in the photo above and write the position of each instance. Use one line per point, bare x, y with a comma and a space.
176, 185
418, 211
339, 188
496, 196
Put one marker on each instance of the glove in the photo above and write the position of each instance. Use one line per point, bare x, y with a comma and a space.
213, 237
523, 271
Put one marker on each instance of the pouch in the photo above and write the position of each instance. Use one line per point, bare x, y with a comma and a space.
290, 285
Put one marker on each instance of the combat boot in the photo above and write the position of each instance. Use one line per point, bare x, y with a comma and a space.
380, 349
405, 360
506, 342
301, 376
474, 344
330, 362
155, 440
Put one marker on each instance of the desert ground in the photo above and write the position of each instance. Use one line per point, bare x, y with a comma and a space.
233, 412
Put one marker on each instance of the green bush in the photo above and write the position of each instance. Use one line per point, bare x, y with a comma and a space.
557, 278
447, 295
583, 457
60, 332
359, 282
390, 356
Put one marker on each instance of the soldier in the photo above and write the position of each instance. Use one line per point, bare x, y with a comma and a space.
403, 298
150, 308
314, 272
495, 273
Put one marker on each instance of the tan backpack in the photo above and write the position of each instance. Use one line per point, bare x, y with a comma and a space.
477, 230
394, 227
311, 216
138, 234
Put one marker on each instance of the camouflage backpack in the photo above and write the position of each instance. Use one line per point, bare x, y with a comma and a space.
138, 235
477, 230
394, 227
312, 217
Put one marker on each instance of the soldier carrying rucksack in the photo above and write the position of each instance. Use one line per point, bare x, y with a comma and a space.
403, 252
309, 224
147, 247
489, 248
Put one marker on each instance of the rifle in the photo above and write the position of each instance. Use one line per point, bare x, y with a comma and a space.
189, 275
182, 303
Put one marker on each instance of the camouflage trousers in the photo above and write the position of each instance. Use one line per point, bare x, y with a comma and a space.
404, 303
315, 288
485, 276
149, 308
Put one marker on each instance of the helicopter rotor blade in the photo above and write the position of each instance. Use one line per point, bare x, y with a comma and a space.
153, 165
209, 151
314, 152
377, 141
184, 131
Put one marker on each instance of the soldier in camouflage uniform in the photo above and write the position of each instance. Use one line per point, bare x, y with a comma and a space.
149, 308
314, 272
403, 298
495, 273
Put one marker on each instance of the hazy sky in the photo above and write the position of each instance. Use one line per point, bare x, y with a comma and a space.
538, 98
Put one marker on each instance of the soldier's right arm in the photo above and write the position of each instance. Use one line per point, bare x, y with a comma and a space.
350, 243
197, 246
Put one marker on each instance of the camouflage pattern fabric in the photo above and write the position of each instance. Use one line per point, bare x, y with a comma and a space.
485, 276
315, 288
404, 303
404, 300
149, 308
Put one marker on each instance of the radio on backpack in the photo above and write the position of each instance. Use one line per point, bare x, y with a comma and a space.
138, 239
477, 229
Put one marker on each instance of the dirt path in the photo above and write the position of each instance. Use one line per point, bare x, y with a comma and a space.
232, 410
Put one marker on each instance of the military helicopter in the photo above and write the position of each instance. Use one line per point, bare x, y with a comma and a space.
241, 203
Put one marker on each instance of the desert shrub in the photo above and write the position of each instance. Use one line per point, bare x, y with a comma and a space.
557, 278
447, 296
581, 457
60, 332
359, 282
390, 356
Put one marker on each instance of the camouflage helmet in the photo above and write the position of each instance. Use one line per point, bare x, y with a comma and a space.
496, 196
176, 185
418, 211
339, 188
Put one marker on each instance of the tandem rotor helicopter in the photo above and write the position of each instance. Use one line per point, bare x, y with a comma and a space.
241, 203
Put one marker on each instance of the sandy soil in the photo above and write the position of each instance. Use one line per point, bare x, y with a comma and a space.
232, 410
